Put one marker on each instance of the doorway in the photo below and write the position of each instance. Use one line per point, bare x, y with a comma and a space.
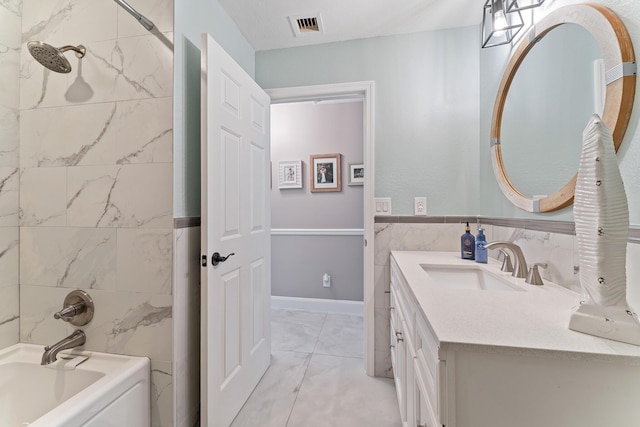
317, 227
340, 93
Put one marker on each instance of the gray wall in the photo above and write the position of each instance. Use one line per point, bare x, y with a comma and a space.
299, 130
299, 261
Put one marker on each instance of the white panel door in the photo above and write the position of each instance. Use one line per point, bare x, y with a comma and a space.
236, 218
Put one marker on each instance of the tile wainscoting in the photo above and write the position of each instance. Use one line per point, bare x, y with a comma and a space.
186, 322
553, 242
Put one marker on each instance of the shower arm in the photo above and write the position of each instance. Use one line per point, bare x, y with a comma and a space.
141, 18
80, 50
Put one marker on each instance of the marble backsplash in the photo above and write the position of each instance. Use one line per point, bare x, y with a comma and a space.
558, 250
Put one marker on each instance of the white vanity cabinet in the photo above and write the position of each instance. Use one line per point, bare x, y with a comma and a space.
413, 357
480, 375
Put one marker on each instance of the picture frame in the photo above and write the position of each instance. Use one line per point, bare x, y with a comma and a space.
325, 172
356, 173
289, 174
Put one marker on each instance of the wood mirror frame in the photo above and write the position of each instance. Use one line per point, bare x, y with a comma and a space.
617, 51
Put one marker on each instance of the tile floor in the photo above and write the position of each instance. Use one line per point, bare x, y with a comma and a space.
317, 377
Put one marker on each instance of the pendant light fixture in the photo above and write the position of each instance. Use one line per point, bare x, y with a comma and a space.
513, 5
499, 26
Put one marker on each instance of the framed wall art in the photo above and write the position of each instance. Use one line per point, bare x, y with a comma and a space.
325, 173
356, 173
290, 174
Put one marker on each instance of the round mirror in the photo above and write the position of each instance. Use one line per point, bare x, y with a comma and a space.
573, 91
559, 66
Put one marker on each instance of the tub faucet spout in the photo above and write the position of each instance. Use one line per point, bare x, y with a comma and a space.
520, 267
76, 339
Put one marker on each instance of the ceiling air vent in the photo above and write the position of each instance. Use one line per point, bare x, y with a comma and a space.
306, 24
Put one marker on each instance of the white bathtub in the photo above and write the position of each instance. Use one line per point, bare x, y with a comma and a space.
103, 391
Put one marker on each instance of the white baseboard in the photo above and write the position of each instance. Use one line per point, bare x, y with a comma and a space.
317, 304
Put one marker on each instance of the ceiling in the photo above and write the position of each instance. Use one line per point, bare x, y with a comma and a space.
265, 23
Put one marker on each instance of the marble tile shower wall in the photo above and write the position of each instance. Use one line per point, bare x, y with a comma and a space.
10, 38
559, 251
96, 178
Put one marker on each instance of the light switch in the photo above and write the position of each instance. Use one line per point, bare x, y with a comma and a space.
383, 205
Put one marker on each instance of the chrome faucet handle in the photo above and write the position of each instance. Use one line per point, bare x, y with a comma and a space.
533, 276
69, 312
77, 308
506, 262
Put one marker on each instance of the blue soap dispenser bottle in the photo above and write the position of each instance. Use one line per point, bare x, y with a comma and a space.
481, 250
467, 244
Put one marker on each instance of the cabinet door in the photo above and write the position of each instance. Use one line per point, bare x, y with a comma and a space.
429, 367
410, 373
423, 413
398, 344
393, 327
400, 367
420, 407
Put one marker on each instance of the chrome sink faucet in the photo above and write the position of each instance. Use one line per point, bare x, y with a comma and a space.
520, 267
76, 339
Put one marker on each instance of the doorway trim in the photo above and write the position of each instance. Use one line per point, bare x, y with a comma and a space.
338, 91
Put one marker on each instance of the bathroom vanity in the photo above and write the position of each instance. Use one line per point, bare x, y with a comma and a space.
472, 346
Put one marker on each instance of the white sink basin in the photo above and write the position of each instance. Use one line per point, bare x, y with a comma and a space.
468, 277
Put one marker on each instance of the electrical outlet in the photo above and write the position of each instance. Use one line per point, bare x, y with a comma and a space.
326, 281
419, 205
383, 205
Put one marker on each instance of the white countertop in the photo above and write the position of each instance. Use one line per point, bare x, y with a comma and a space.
533, 322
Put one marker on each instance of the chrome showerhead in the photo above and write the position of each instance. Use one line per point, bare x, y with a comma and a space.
52, 57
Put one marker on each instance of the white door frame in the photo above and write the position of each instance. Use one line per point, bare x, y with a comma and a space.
348, 90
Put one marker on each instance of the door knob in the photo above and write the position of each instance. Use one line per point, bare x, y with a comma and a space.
216, 258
